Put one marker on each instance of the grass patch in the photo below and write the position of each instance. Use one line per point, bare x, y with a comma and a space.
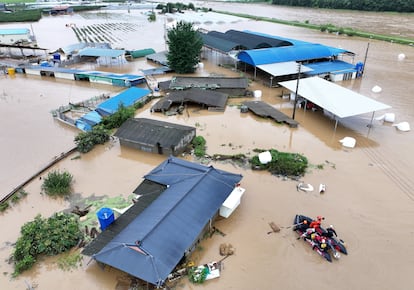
69, 261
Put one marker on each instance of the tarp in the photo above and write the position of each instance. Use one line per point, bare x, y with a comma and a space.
126, 98
334, 98
154, 243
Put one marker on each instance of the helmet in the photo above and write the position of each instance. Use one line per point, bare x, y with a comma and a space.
331, 226
305, 222
323, 241
323, 245
313, 236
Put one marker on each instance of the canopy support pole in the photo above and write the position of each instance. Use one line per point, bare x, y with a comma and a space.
336, 123
372, 119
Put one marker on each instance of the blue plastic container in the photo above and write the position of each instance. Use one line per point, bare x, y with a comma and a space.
106, 217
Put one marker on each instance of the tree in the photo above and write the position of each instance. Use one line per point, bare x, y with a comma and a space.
184, 45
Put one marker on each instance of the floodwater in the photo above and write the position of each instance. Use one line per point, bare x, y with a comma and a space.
369, 195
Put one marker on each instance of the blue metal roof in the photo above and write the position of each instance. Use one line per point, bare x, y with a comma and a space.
13, 31
336, 66
303, 52
153, 244
90, 51
87, 121
128, 77
127, 98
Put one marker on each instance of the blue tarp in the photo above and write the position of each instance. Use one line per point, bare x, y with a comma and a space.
288, 53
127, 98
153, 244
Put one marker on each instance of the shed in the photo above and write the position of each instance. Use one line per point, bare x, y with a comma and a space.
152, 245
139, 53
155, 136
127, 98
339, 101
15, 36
211, 99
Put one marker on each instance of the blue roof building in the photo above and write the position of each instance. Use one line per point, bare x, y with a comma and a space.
151, 246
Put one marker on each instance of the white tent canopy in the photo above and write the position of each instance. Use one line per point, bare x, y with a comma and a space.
283, 68
338, 100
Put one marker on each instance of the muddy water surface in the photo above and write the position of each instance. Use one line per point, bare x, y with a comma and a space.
369, 194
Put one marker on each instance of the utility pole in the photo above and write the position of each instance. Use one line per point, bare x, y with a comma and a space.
296, 93
365, 60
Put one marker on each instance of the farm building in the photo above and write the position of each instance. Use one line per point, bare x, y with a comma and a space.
235, 86
277, 58
214, 101
155, 136
178, 203
15, 36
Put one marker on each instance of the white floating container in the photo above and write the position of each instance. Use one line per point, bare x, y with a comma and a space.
401, 56
348, 142
265, 157
403, 126
257, 93
232, 202
388, 117
376, 89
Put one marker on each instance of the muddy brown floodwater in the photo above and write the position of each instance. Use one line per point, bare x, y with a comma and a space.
369, 197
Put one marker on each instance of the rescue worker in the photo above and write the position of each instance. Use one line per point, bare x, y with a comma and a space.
316, 223
330, 232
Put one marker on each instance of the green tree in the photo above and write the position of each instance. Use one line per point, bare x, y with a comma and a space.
184, 45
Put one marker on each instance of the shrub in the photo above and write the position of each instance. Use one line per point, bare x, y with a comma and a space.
57, 183
199, 144
4, 206
119, 117
85, 141
50, 236
289, 164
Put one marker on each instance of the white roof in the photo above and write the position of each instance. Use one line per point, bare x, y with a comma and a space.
338, 100
283, 68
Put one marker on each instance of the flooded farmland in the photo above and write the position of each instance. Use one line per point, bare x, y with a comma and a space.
369, 195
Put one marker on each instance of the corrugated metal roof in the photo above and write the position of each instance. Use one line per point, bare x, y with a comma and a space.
110, 75
126, 98
336, 99
178, 82
152, 245
288, 53
238, 40
283, 68
91, 51
219, 44
74, 48
148, 192
336, 66
200, 96
14, 31
147, 131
